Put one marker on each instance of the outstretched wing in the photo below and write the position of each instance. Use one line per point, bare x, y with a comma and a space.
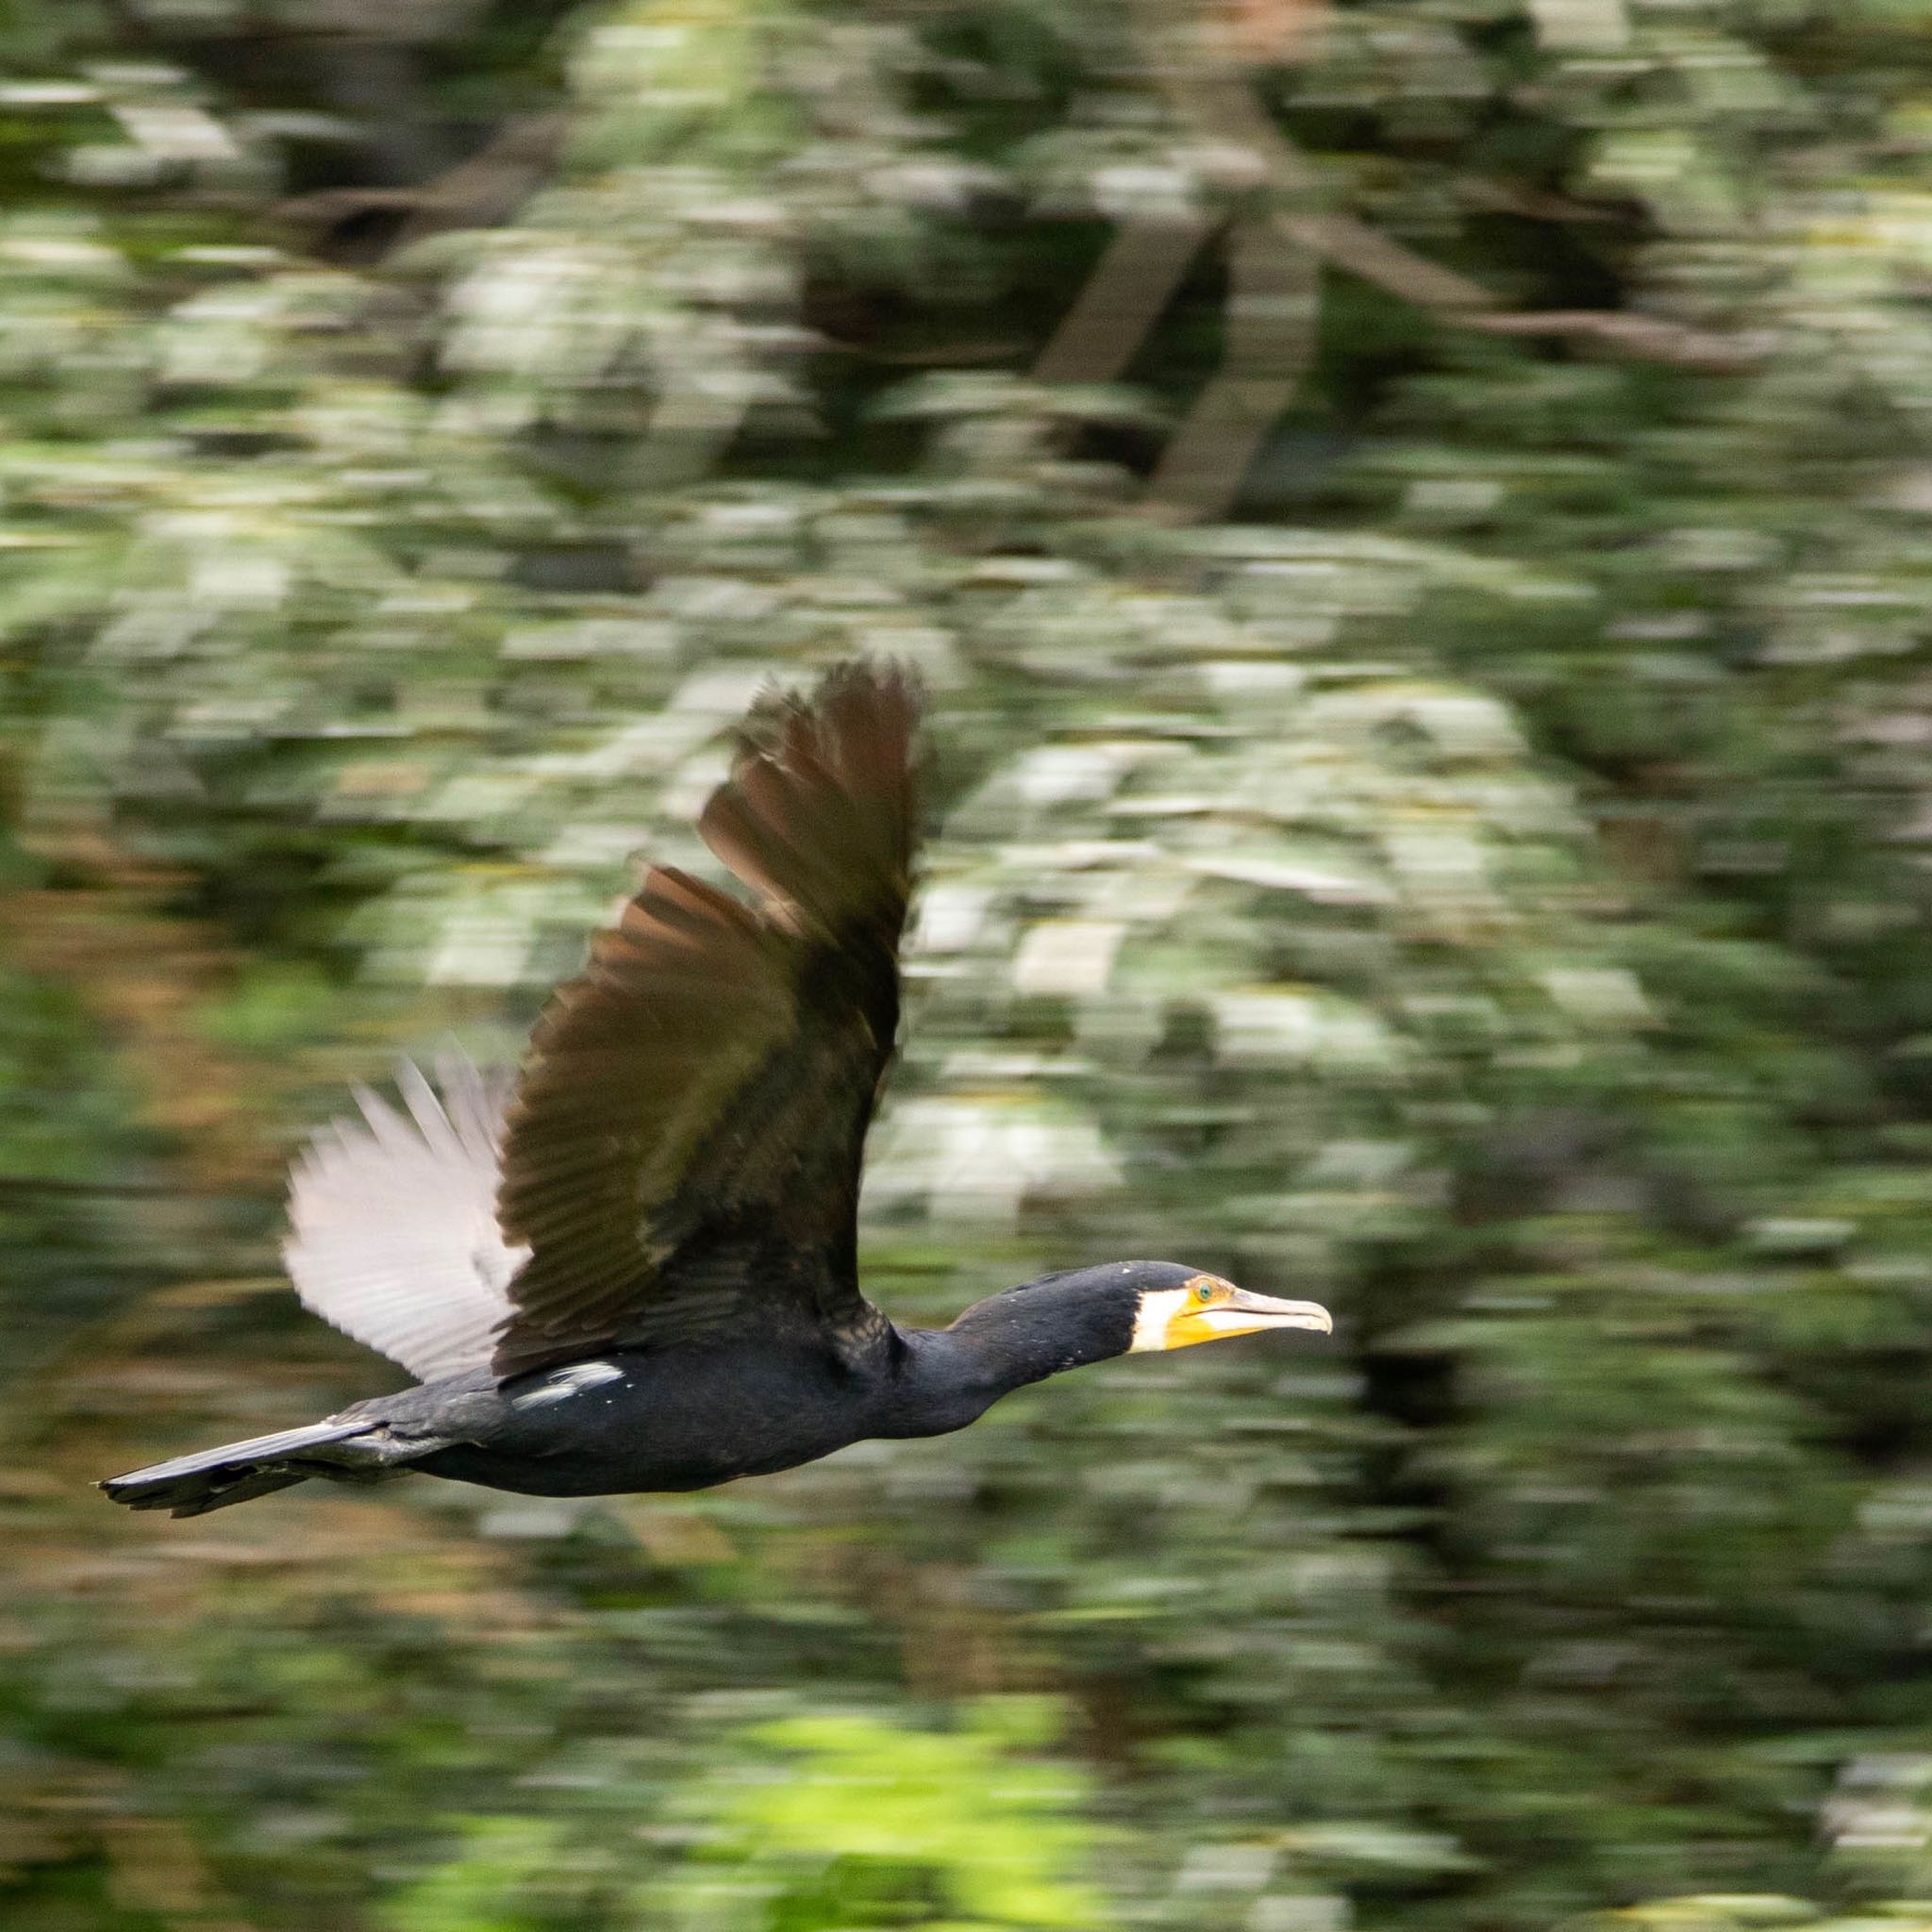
393, 1232
682, 1156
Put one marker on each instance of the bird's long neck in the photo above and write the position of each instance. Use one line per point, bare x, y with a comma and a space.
948, 1376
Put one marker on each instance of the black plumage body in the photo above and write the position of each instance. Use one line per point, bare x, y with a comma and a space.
684, 1419
636, 1267
690, 1416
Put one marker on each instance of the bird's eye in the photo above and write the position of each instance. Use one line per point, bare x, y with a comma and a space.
1204, 1294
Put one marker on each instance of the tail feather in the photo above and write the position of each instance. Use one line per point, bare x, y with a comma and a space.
213, 1478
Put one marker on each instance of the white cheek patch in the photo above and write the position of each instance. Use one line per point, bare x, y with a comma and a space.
568, 1382
1150, 1319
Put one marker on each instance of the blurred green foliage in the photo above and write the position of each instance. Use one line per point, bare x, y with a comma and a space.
1415, 519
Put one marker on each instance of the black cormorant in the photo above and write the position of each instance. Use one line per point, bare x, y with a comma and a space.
635, 1267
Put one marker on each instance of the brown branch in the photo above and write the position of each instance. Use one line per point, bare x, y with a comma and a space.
481, 193
1133, 281
493, 183
1539, 204
1210, 94
1345, 242
1274, 302
1274, 289
1641, 337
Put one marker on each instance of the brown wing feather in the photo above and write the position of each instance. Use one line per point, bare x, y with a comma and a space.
684, 1148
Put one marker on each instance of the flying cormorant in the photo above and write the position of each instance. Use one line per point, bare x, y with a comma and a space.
635, 1266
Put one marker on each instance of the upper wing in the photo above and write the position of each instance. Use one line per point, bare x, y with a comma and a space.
683, 1151
393, 1232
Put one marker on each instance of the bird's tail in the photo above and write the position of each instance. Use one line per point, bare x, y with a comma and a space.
213, 1478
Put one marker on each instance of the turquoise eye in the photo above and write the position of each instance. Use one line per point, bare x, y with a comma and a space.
1204, 1294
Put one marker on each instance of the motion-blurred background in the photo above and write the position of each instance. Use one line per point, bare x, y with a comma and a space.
1417, 519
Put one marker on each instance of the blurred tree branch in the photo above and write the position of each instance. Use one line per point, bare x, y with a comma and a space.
1134, 280
478, 192
1273, 308
1201, 65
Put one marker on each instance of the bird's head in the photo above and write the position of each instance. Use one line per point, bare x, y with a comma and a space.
1089, 1314
1122, 1308
1176, 1306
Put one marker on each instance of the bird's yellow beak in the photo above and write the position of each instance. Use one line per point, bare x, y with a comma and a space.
1210, 1310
